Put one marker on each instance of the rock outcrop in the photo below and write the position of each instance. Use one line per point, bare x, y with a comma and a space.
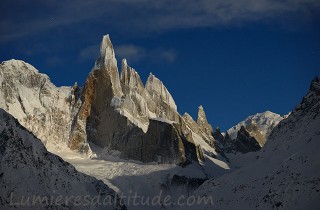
217, 135
245, 143
203, 122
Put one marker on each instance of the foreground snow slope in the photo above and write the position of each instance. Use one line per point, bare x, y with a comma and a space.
287, 172
128, 177
28, 169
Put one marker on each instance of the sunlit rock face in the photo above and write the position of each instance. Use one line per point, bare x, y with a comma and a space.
195, 128
134, 101
160, 101
35, 102
245, 143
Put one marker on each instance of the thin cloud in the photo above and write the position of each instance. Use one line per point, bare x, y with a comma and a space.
168, 55
54, 61
89, 53
131, 52
31, 17
134, 53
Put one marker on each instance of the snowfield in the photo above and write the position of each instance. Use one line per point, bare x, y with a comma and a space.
128, 177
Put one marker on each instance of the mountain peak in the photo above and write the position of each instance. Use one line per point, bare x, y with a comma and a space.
260, 123
130, 79
156, 88
17, 65
107, 55
203, 122
124, 62
201, 116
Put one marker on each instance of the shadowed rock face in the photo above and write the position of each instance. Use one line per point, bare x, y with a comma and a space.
245, 143
253, 130
217, 135
163, 143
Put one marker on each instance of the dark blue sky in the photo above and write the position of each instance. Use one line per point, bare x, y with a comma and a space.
236, 58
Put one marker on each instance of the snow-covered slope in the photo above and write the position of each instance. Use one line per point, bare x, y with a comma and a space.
129, 177
38, 104
287, 172
259, 126
27, 170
